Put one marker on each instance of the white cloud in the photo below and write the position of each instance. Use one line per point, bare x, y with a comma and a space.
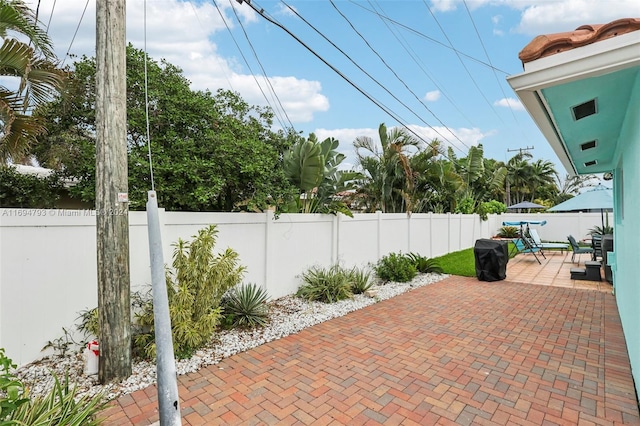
560, 16
512, 103
432, 96
183, 34
551, 16
443, 5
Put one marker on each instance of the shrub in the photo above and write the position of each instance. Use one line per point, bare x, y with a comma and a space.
396, 267
60, 406
508, 232
488, 207
360, 280
246, 306
465, 206
325, 285
89, 322
26, 191
424, 265
195, 288
12, 392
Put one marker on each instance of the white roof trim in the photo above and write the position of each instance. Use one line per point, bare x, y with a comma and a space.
588, 61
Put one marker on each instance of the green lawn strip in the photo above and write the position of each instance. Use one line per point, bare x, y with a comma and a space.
461, 262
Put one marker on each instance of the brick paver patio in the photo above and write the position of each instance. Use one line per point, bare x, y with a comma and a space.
459, 351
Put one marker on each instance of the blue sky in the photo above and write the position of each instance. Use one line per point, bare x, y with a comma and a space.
437, 67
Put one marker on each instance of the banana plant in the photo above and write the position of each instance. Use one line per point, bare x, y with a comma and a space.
313, 167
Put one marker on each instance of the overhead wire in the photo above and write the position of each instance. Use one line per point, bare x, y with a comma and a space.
401, 81
363, 70
504, 95
459, 56
195, 13
264, 73
75, 33
423, 35
51, 16
416, 59
388, 111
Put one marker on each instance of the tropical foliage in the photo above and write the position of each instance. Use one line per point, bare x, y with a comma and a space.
246, 306
396, 267
388, 183
27, 191
210, 152
332, 284
313, 168
423, 264
60, 406
26, 59
195, 286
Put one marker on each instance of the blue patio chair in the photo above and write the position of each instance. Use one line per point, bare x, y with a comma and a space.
524, 245
550, 246
577, 249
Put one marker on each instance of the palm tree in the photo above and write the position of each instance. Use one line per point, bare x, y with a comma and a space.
543, 173
518, 176
32, 65
436, 180
570, 186
388, 182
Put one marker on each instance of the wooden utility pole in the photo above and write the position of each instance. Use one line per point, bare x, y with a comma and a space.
112, 208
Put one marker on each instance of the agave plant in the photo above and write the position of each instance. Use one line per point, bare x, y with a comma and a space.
424, 264
246, 306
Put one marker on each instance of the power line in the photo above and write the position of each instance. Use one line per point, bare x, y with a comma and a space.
51, 16
264, 73
401, 80
333, 68
362, 69
504, 95
458, 55
423, 35
416, 59
75, 33
195, 13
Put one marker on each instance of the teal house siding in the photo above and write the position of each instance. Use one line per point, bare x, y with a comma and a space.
596, 68
627, 230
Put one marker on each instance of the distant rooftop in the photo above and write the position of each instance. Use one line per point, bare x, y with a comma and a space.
550, 44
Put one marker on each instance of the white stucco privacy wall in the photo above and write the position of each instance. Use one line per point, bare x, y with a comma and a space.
48, 271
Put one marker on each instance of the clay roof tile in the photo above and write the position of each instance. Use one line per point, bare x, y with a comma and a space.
550, 44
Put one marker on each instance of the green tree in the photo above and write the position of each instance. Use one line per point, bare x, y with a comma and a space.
528, 181
26, 191
436, 182
483, 178
570, 186
30, 64
313, 168
210, 152
388, 181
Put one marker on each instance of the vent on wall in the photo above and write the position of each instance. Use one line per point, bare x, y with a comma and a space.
584, 110
588, 145
591, 163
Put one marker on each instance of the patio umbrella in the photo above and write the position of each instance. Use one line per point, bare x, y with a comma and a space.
526, 205
598, 198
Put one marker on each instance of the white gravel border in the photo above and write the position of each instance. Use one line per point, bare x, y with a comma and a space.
288, 315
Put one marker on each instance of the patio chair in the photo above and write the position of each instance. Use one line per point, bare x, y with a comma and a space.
596, 245
551, 246
577, 249
525, 245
